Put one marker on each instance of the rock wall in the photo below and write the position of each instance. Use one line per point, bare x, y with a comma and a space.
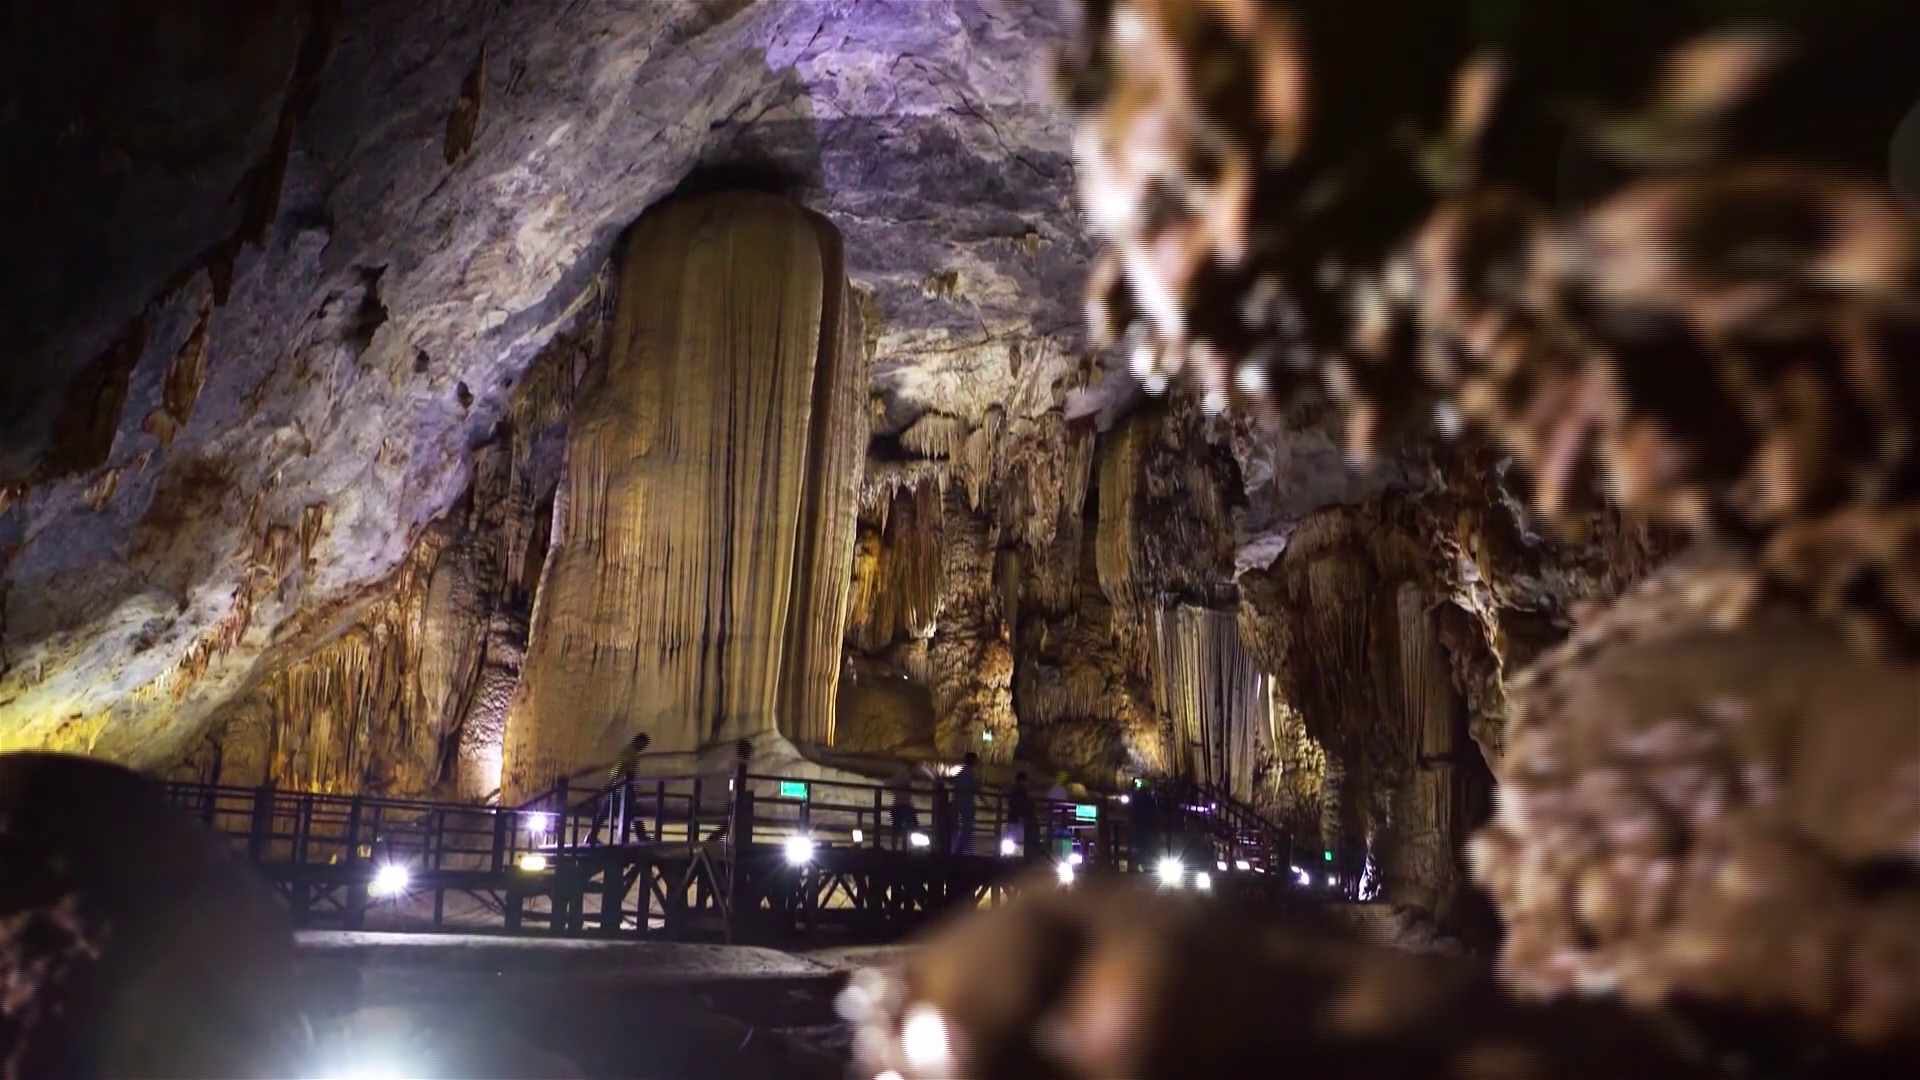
666, 599
407, 692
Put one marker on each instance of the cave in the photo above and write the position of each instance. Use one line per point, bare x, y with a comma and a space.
1477, 446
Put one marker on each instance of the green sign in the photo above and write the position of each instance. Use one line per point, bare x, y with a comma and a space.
793, 789
1085, 811
1329, 856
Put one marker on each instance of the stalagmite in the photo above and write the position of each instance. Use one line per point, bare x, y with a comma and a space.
667, 594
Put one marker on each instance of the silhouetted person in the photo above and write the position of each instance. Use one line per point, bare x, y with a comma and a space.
906, 819
966, 804
1144, 811
942, 816
617, 799
1020, 814
1059, 814
737, 783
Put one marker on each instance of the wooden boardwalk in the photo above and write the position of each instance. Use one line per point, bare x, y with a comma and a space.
814, 860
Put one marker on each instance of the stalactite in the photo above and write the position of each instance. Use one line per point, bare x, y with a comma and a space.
1165, 530
972, 661
1208, 684
665, 601
897, 572
1081, 687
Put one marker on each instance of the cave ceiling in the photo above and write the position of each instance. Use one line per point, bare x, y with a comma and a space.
454, 178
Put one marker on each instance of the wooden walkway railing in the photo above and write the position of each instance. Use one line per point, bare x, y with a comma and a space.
560, 863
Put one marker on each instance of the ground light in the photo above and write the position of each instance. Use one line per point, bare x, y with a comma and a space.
859, 837
1007, 846
1242, 865
1074, 858
1203, 881
919, 839
1063, 873
370, 1071
798, 849
1172, 873
533, 862
1302, 876
923, 1039
389, 881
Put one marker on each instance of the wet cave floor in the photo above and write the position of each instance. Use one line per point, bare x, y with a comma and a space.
472, 1007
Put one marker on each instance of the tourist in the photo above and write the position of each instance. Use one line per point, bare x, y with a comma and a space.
906, 819
617, 799
1143, 811
966, 801
1019, 811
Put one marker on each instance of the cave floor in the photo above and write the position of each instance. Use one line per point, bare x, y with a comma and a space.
471, 1006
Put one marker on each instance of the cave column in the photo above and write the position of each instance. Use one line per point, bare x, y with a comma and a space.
689, 562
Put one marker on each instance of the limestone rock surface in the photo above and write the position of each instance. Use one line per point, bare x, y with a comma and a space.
442, 184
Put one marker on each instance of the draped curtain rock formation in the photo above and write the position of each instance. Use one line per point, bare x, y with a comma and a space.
1343, 622
682, 546
1209, 686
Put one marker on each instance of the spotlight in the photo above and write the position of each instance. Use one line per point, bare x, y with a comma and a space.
986, 736
533, 862
798, 849
1125, 799
1074, 858
1203, 881
1063, 873
1221, 866
859, 837
1242, 865
919, 839
389, 881
1007, 847
1332, 882
1172, 873
539, 822
1302, 876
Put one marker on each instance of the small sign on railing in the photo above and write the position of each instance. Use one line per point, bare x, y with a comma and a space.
1086, 812
793, 789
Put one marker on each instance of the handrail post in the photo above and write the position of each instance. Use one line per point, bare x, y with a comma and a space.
693, 813
564, 823
262, 828
739, 838
879, 796
502, 835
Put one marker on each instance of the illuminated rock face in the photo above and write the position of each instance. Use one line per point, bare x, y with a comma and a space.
420, 247
365, 506
697, 546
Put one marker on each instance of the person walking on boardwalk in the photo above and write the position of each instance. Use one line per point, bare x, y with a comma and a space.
617, 798
906, 819
1020, 823
966, 803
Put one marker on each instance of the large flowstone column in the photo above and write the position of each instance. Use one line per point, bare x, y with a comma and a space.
703, 532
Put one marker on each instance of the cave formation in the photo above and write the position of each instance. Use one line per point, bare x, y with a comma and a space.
413, 424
